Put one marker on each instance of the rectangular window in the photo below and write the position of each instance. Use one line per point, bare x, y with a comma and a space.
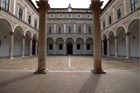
60, 46
29, 19
110, 20
69, 30
134, 4
59, 30
50, 46
119, 13
35, 24
78, 47
20, 13
50, 30
88, 47
103, 24
5, 4
89, 30
79, 30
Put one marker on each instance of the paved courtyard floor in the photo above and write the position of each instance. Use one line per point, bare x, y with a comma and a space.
69, 74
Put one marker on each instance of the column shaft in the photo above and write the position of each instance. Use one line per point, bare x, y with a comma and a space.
127, 45
95, 7
11, 45
23, 46
31, 47
116, 46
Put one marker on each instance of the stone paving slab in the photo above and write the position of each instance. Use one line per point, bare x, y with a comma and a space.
115, 81
61, 63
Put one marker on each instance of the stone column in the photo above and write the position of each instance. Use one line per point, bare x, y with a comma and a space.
23, 46
108, 47
14, 8
54, 28
54, 48
64, 48
11, 45
116, 46
95, 7
65, 31
74, 27
36, 50
128, 45
31, 46
84, 28
74, 48
43, 8
102, 47
84, 48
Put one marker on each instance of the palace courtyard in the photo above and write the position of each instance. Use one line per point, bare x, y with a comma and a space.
69, 74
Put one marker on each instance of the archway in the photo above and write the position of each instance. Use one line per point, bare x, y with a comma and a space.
5, 29
134, 38
59, 46
105, 44
17, 41
111, 44
121, 42
27, 43
80, 46
89, 46
50, 46
70, 47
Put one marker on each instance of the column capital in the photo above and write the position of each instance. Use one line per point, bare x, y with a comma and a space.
116, 37
128, 33
11, 33
43, 5
96, 6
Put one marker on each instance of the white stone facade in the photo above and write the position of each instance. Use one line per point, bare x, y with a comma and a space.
69, 30
121, 37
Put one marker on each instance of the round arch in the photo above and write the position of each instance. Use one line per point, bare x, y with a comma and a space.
104, 44
5, 29
59, 46
133, 28
79, 46
18, 33
121, 41
111, 44
27, 43
89, 46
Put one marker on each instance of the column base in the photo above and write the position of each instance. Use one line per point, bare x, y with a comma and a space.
98, 72
40, 71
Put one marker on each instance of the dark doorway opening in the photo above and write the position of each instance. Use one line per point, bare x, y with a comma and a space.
69, 48
105, 46
33, 46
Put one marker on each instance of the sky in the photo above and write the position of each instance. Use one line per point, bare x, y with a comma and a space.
74, 3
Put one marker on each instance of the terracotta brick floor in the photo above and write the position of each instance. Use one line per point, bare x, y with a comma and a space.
62, 63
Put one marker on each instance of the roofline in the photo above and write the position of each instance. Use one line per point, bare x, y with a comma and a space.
33, 5
106, 6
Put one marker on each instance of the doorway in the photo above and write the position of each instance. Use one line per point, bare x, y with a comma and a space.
69, 48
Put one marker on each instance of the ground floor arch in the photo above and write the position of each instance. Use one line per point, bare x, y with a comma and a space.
5, 30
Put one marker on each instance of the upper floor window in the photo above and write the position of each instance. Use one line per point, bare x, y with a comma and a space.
29, 19
79, 30
5, 4
103, 24
60, 16
69, 30
110, 20
69, 16
134, 4
59, 30
119, 13
89, 30
20, 13
35, 24
88, 16
51, 16
50, 30
79, 16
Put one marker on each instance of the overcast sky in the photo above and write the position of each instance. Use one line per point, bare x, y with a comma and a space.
74, 3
